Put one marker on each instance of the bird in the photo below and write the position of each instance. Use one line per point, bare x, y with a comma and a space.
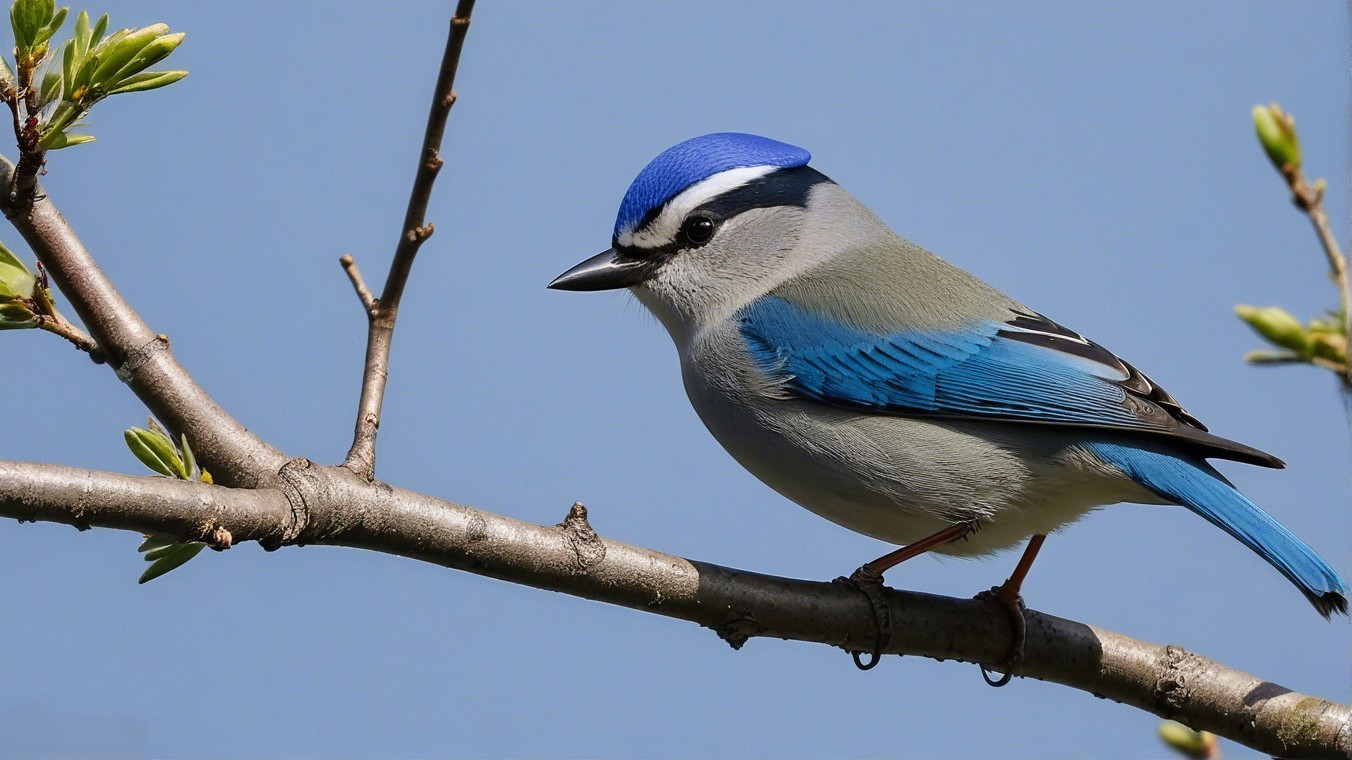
875, 384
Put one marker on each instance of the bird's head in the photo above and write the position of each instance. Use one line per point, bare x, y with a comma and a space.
708, 225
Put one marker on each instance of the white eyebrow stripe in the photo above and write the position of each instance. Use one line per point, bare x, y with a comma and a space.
662, 230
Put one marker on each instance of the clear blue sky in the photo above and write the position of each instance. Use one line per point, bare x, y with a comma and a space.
1095, 161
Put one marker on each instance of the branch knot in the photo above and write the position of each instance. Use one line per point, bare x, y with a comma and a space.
292, 478
587, 547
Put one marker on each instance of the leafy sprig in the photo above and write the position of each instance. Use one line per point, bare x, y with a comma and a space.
50, 94
1323, 340
157, 451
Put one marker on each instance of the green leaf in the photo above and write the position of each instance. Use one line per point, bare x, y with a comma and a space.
1187, 742
49, 30
1273, 357
51, 87
15, 279
69, 53
161, 551
157, 50
153, 541
100, 27
120, 52
27, 18
155, 451
53, 25
1330, 345
170, 560
1278, 326
1277, 134
77, 87
6, 73
147, 80
189, 461
59, 140
16, 316
81, 38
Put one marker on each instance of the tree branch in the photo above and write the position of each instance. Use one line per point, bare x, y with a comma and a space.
1310, 199
140, 357
361, 458
342, 509
368, 301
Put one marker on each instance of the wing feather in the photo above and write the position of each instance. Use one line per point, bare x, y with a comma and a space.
1027, 369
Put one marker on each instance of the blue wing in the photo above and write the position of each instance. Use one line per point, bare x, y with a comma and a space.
1027, 369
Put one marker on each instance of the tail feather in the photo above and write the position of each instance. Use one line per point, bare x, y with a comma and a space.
1197, 486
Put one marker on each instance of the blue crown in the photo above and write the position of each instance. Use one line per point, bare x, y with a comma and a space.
697, 159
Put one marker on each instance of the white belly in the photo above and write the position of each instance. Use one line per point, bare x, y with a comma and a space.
900, 479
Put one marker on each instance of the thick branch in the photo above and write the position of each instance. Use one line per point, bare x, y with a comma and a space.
343, 509
361, 458
140, 357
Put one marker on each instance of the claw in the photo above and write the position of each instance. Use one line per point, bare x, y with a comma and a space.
1013, 604
870, 584
1007, 594
868, 580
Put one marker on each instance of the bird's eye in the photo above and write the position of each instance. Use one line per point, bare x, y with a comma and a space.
697, 230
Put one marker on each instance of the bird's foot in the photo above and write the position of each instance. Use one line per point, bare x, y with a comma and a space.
870, 584
1012, 602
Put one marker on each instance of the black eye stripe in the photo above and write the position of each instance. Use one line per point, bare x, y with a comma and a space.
782, 187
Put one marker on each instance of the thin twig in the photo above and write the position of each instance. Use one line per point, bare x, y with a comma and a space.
59, 325
361, 458
1310, 199
344, 510
368, 301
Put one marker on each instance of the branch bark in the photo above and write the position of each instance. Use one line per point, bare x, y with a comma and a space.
343, 509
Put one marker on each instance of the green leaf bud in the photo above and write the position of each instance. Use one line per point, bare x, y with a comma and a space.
147, 80
1277, 133
69, 56
96, 34
117, 52
175, 556
49, 30
17, 316
155, 451
157, 50
59, 140
1199, 745
153, 541
15, 279
1278, 326
51, 87
1330, 345
27, 18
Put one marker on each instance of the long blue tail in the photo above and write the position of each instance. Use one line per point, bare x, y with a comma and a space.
1197, 486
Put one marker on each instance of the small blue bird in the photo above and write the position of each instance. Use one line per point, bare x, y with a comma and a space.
888, 391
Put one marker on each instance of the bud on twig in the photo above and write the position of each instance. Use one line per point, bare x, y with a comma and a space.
1278, 326
1277, 133
1200, 745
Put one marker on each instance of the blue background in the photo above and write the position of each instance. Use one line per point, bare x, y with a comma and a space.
1095, 161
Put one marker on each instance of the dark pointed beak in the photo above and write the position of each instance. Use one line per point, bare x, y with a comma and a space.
604, 271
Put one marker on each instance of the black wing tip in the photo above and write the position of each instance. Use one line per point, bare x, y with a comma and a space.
1328, 603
